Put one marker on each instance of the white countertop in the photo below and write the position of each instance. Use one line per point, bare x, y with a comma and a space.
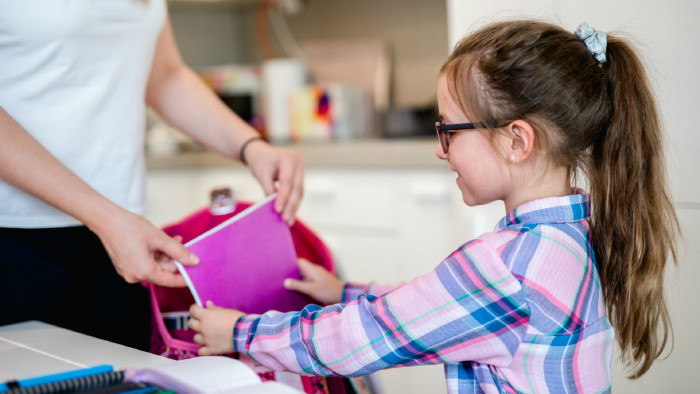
419, 152
34, 348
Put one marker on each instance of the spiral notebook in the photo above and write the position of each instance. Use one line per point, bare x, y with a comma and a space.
244, 262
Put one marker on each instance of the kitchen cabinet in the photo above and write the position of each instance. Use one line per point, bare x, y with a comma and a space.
383, 224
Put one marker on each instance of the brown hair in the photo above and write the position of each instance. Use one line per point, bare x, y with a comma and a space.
599, 118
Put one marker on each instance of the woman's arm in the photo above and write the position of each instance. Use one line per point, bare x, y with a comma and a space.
183, 100
139, 251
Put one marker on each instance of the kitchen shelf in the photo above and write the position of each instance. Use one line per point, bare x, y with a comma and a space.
234, 3
418, 152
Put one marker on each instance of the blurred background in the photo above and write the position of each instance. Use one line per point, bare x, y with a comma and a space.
351, 86
303, 70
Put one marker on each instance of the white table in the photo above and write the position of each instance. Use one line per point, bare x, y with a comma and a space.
34, 348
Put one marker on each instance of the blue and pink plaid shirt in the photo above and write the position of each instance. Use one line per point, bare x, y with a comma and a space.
519, 309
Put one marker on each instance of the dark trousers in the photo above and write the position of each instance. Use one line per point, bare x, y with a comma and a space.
63, 276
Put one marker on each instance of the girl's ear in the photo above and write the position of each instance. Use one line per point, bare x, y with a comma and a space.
520, 138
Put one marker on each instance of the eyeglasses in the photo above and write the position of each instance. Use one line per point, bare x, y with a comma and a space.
446, 131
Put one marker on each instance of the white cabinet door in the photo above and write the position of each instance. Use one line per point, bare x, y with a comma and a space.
355, 213
424, 221
352, 198
386, 225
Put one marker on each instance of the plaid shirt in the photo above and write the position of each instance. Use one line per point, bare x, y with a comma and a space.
519, 309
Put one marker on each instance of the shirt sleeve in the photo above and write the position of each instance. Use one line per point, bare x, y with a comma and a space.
470, 308
352, 291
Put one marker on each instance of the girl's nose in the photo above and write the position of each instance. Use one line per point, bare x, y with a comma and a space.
439, 153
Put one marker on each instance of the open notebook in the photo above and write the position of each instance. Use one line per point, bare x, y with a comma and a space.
208, 375
244, 261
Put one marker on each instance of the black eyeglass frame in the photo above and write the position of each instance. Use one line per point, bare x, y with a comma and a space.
446, 131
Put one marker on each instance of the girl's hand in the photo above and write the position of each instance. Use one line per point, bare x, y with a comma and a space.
214, 327
278, 170
317, 283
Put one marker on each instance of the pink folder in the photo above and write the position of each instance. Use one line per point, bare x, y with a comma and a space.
244, 261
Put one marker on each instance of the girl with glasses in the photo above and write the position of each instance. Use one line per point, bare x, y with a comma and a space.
527, 110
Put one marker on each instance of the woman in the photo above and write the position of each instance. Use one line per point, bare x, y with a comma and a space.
73, 80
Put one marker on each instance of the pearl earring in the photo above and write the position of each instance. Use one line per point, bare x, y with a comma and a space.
512, 157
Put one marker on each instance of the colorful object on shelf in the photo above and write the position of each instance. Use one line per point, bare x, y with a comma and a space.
329, 112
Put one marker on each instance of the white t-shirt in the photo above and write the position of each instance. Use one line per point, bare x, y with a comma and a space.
73, 73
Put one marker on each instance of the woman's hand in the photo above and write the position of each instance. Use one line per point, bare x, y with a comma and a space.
317, 283
214, 327
140, 251
278, 170
182, 99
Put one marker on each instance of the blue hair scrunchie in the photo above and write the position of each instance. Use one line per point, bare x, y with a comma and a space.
596, 41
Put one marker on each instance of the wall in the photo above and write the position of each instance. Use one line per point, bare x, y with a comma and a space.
415, 29
213, 34
210, 34
666, 34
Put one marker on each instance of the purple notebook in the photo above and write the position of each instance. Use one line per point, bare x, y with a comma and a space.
244, 261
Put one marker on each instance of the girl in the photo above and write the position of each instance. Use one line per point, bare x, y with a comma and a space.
525, 106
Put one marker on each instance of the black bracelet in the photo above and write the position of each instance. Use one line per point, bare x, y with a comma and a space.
241, 155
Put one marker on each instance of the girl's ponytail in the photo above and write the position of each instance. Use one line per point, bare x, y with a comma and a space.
633, 223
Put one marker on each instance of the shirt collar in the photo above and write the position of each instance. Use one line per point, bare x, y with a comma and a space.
571, 208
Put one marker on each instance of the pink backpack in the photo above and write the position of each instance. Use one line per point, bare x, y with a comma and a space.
175, 340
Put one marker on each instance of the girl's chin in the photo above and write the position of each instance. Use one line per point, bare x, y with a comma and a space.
469, 202
468, 198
